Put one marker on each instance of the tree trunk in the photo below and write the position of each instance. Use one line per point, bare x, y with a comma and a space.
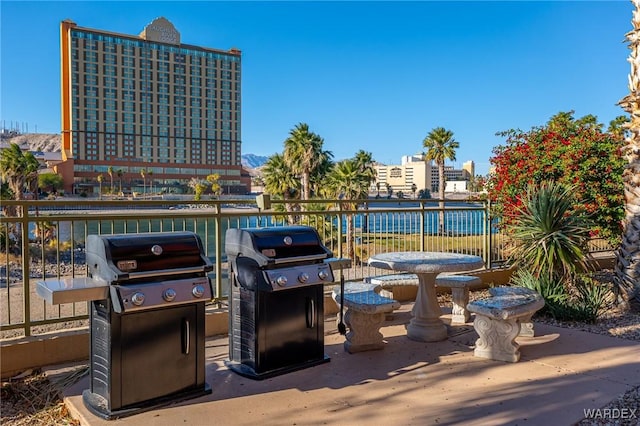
628, 255
441, 196
306, 186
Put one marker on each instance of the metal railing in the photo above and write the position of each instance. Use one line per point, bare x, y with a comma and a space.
45, 240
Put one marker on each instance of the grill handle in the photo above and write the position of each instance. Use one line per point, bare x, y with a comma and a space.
342, 328
311, 313
165, 272
294, 259
185, 336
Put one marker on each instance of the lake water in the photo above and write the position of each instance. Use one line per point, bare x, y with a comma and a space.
457, 223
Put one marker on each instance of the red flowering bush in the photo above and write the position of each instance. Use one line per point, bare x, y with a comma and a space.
567, 151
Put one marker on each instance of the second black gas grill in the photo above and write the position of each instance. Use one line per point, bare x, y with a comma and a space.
276, 309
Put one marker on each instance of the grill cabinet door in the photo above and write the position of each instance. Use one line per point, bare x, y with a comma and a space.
159, 350
291, 328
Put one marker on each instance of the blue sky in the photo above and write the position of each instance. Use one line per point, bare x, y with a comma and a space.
376, 76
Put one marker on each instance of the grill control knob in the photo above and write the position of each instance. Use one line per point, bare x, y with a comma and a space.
169, 294
303, 277
323, 275
137, 299
281, 280
198, 291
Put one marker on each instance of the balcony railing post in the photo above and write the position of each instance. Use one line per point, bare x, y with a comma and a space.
422, 233
487, 235
340, 234
218, 245
26, 260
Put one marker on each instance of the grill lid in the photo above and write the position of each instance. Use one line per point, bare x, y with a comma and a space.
276, 245
121, 257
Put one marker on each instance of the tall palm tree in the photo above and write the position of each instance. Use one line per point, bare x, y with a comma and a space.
19, 170
100, 178
120, 173
440, 146
110, 173
150, 174
347, 182
319, 174
279, 179
143, 173
303, 152
628, 255
364, 160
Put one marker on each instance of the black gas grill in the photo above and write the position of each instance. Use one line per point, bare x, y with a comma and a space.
276, 311
147, 335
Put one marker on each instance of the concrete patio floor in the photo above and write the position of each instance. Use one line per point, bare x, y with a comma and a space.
562, 373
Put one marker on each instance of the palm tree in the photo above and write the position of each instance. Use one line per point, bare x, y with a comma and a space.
99, 179
279, 179
303, 152
120, 173
440, 146
143, 173
319, 174
628, 255
110, 173
347, 182
364, 160
150, 174
19, 170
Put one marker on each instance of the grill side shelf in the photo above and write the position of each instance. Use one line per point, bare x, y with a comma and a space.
71, 290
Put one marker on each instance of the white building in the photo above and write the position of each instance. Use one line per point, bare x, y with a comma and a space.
413, 170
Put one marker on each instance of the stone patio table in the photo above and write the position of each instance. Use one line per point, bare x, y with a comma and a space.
425, 324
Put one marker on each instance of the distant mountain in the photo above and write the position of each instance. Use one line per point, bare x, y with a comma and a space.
253, 161
51, 143
43, 142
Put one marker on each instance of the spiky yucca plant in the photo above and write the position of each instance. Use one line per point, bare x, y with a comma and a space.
628, 255
549, 239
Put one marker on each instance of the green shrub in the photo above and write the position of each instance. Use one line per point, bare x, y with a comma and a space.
549, 236
552, 291
585, 301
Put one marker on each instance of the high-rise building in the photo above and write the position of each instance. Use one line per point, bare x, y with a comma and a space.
148, 108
